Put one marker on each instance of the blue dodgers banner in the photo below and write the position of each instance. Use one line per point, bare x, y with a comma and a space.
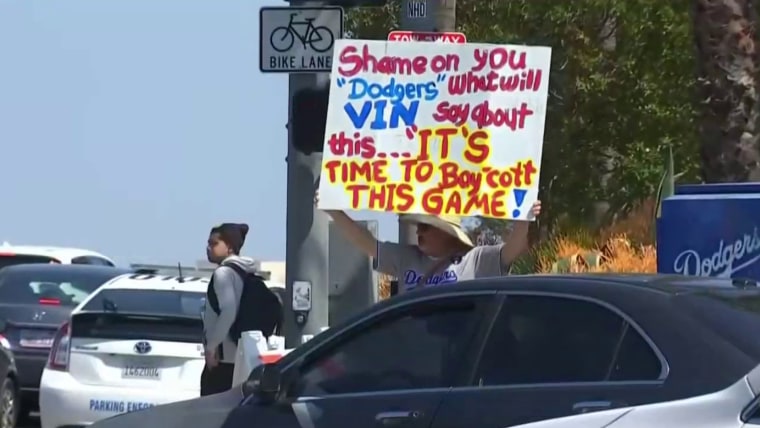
711, 230
117, 406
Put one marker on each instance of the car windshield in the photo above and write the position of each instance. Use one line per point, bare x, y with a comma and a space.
19, 259
51, 287
148, 302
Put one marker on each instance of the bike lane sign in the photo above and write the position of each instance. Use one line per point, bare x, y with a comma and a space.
298, 39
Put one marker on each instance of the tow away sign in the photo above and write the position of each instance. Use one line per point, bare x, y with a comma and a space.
420, 36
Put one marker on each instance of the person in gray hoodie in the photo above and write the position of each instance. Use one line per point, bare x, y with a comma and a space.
223, 249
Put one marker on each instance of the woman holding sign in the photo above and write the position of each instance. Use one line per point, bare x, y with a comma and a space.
444, 253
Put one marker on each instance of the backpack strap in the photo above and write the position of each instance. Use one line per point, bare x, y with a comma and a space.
242, 274
238, 270
213, 302
281, 316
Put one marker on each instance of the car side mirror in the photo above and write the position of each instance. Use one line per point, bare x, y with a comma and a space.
265, 383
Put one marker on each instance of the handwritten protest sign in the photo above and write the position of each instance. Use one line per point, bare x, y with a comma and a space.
435, 128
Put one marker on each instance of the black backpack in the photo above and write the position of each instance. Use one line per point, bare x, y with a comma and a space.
259, 307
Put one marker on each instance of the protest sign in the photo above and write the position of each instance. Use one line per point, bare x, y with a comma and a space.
435, 128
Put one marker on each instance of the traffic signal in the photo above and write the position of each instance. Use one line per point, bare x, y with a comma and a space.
309, 119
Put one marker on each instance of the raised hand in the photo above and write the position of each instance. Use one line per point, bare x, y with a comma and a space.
535, 210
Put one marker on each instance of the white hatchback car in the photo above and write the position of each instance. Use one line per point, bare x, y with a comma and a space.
737, 406
132, 344
19, 254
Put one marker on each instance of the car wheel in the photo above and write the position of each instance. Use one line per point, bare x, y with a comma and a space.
8, 404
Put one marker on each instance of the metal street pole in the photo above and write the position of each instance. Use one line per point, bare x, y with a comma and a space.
445, 15
307, 235
416, 15
307, 230
424, 15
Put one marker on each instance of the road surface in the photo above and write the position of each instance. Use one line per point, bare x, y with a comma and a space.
33, 423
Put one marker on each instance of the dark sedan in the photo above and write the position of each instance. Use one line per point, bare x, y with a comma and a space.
35, 299
497, 352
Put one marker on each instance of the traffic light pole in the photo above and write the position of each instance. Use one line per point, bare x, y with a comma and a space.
307, 229
411, 20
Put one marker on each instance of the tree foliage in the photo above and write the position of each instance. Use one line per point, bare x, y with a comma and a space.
612, 111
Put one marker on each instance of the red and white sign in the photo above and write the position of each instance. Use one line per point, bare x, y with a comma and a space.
419, 36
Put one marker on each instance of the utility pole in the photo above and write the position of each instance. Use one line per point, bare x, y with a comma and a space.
430, 16
306, 310
445, 15
307, 229
306, 241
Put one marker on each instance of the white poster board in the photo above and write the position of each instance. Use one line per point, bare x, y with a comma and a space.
416, 127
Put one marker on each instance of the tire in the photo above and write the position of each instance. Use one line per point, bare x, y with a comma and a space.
282, 39
9, 404
321, 39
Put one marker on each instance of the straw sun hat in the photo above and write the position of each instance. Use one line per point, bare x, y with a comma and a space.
452, 225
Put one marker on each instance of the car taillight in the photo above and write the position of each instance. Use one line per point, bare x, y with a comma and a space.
61, 349
46, 301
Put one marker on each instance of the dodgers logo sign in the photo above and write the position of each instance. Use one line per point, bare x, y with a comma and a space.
726, 259
711, 230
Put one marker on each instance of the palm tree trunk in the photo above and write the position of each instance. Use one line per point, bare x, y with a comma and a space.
727, 64
607, 158
445, 15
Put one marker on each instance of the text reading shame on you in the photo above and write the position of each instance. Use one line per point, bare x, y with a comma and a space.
352, 63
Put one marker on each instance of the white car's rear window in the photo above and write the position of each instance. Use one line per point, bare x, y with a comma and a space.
148, 302
20, 259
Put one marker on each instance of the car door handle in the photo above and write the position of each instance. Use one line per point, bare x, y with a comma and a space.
397, 417
591, 406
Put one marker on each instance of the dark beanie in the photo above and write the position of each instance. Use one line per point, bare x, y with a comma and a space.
232, 234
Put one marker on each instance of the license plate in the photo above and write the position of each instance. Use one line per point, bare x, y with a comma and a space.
138, 372
36, 339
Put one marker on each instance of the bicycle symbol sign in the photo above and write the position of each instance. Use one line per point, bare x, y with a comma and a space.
299, 39
318, 38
